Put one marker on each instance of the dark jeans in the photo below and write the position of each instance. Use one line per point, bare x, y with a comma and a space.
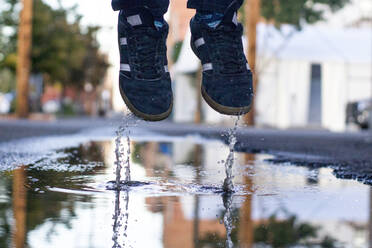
159, 7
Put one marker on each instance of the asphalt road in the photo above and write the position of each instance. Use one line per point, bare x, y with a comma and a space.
350, 154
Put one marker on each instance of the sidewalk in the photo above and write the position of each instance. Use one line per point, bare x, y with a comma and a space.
350, 154
12, 129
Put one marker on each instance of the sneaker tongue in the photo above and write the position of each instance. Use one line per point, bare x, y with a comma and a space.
230, 18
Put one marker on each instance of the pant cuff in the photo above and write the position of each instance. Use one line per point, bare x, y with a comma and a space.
207, 7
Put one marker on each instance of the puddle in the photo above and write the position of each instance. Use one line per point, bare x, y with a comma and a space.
175, 199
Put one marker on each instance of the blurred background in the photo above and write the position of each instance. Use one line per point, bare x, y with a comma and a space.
312, 61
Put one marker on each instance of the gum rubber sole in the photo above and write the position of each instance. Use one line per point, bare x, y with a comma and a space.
224, 109
142, 115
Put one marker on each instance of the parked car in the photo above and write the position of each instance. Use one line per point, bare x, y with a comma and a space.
359, 113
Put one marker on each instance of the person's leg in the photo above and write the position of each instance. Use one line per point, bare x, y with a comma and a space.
157, 7
218, 6
216, 38
144, 81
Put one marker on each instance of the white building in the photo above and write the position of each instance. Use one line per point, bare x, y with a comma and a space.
306, 77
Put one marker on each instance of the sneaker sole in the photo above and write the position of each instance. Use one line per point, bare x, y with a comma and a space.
224, 109
142, 115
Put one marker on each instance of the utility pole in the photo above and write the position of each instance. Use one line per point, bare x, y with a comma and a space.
19, 207
23, 58
252, 15
246, 227
198, 112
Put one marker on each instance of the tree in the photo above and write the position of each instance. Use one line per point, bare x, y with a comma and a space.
63, 51
8, 34
298, 12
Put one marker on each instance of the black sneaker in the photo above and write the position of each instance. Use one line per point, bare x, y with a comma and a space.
227, 78
145, 83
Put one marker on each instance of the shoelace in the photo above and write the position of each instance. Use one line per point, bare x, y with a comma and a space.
147, 62
226, 41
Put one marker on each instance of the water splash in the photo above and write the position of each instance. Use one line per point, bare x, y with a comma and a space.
227, 218
122, 160
126, 217
228, 185
120, 220
117, 221
127, 162
122, 157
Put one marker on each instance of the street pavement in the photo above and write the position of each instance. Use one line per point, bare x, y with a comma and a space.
349, 154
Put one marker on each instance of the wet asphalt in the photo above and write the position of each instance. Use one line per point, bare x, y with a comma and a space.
349, 154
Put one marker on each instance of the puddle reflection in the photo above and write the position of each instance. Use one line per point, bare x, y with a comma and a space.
61, 201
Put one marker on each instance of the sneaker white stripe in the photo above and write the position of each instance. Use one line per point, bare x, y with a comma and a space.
199, 42
207, 67
235, 19
134, 20
125, 67
123, 41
